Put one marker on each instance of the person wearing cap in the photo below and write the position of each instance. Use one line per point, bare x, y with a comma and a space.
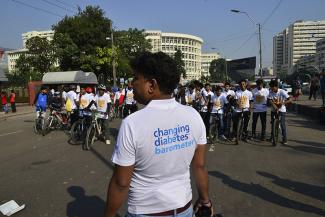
103, 103
156, 147
260, 95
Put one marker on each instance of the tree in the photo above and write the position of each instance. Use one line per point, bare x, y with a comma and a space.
178, 57
77, 38
217, 70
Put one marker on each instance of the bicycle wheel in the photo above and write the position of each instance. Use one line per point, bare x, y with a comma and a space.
90, 137
275, 137
240, 128
42, 125
75, 132
37, 126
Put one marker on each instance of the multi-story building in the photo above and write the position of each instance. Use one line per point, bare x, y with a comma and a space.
320, 55
49, 34
206, 59
15, 54
169, 43
299, 41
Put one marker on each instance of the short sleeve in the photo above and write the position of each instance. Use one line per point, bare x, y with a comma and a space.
124, 151
285, 94
202, 139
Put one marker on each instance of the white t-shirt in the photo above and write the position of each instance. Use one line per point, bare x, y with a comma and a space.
260, 99
73, 97
64, 95
85, 99
205, 98
161, 151
280, 96
129, 100
102, 102
243, 98
218, 103
117, 96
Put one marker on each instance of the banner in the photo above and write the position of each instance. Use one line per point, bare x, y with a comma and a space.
239, 69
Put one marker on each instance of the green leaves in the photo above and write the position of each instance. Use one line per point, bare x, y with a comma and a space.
217, 70
180, 63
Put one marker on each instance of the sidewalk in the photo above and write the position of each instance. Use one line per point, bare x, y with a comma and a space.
22, 109
309, 108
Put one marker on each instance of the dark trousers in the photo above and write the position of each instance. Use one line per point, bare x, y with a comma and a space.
323, 98
13, 106
262, 115
282, 117
236, 115
206, 119
129, 109
313, 92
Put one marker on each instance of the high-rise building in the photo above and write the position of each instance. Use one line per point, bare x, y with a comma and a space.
298, 41
49, 34
190, 46
206, 60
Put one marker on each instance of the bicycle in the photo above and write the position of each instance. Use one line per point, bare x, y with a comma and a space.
56, 120
276, 127
95, 129
39, 127
78, 129
213, 134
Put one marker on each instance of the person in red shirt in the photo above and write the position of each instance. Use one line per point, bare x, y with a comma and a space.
13, 101
4, 101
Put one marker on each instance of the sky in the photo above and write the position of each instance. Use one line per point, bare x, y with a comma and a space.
232, 35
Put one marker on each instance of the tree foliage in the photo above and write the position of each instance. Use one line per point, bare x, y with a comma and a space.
178, 57
217, 70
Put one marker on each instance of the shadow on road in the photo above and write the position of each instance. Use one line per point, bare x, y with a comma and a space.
308, 149
317, 144
83, 205
267, 195
313, 124
317, 192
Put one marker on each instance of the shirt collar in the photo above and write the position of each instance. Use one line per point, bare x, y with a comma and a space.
162, 103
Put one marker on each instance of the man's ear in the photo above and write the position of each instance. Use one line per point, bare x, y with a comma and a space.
152, 86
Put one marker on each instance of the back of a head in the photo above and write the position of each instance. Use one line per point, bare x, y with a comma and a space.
158, 66
274, 83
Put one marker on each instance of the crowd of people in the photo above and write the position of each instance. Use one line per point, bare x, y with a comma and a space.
81, 101
224, 102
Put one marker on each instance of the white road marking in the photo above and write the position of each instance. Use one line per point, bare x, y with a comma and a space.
6, 134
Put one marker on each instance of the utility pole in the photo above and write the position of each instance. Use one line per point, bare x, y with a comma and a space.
260, 51
113, 54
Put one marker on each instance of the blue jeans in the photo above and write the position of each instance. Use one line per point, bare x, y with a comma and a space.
213, 119
5, 108
187, 213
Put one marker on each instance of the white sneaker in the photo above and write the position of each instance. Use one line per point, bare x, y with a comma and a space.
108, 142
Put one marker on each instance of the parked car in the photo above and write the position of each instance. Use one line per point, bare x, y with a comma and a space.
287, 88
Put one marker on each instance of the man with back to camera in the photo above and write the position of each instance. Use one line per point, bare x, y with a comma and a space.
145, 155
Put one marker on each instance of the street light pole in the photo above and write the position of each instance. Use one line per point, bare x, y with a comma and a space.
259, 37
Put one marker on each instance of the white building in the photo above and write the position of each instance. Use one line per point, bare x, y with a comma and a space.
299, 40
206, 59
15, 54
13, 57
49, 34
190, 46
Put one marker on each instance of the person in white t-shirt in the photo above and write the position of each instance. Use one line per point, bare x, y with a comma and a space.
157, 146
72, 96
244, 99
130, 103
278, 99
205, 101
260, 95
103, 104
218, 102
228, 108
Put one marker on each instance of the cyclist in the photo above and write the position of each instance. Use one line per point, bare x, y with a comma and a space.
205, 104
103, 103
229, 106
71, 103
86, 98
41, 102
278, 99
218, 101
56, 102
244, 100
260, 95
130, 103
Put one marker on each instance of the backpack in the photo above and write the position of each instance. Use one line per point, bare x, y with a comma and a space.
68, 105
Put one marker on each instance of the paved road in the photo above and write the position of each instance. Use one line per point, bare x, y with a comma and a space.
54, 178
